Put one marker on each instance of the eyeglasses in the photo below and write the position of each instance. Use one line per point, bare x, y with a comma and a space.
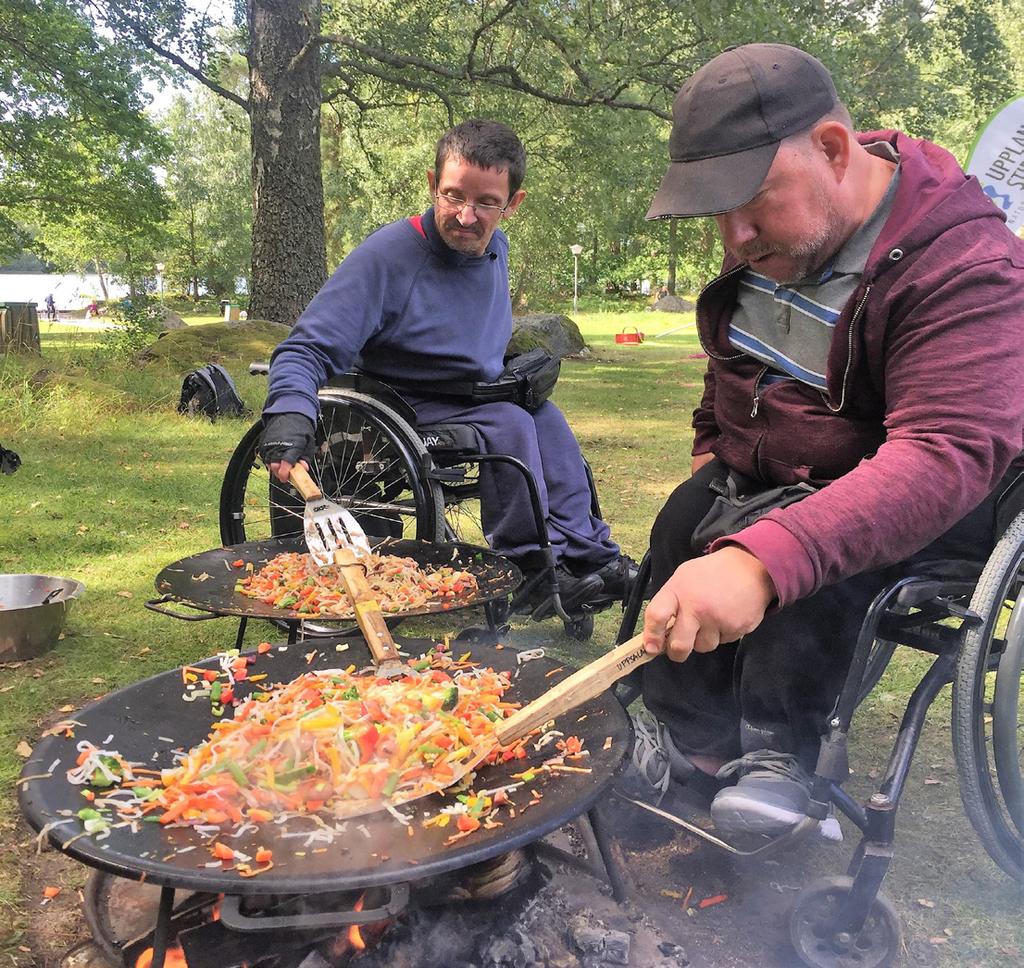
452, 204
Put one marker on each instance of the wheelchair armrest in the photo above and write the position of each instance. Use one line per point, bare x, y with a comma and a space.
450, 442
925, 590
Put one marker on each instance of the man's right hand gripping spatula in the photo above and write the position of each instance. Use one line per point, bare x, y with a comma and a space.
334, 536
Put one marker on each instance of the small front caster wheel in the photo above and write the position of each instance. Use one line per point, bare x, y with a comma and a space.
580, 627
818, 943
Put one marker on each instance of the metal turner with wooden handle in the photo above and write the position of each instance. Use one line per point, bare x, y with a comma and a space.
333, 536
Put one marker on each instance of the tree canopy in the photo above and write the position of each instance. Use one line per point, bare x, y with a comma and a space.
307, 109
73, 138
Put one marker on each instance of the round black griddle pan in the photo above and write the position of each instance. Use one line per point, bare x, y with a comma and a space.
149, 720
206, 581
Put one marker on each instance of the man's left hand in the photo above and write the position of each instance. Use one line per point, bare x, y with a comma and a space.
713, 599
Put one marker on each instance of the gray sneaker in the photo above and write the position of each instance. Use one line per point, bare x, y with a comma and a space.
770, 798
655, 762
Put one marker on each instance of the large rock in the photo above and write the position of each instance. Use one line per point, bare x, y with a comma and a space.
193, 346
673, 304
171, 320
559, 335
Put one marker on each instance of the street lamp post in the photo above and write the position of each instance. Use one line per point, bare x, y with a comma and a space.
576, 251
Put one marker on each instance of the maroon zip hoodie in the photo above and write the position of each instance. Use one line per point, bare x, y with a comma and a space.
924, 410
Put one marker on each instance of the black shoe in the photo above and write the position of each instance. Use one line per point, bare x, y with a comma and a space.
618, 575
576, 591
572, 590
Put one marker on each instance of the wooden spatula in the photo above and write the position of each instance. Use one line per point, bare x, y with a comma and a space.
333, 536
573, 691
584, 684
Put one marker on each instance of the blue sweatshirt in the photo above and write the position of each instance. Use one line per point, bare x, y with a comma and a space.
403, 305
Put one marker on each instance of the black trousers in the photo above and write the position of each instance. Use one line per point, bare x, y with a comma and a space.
775, 688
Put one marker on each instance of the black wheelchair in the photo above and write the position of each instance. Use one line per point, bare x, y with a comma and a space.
973, 623
400, 480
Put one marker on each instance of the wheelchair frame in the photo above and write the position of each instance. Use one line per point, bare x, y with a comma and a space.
430, 481
973, 628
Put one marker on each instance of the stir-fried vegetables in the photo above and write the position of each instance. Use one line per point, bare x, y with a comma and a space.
335, 736
306, 750
294, 581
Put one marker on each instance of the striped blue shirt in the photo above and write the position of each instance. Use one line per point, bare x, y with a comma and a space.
789, 326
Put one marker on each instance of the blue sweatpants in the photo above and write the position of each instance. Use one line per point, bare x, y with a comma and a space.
546, 444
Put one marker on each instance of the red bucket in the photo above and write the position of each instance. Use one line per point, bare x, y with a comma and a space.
633, 338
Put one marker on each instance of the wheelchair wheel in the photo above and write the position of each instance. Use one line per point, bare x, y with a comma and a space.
579, 627
986, 712
818, 944
365, 457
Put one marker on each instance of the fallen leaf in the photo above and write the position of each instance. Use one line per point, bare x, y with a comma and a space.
924, 902
142, 652
51, 891
98, 681
66, 709
6, 688
23, 749
675, 895
82, 528
184, 525
938, 940
124, 594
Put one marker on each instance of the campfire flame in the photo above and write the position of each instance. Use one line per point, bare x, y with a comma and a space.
175, 958
355, 937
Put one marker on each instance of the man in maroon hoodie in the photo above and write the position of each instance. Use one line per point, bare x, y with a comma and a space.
866, 345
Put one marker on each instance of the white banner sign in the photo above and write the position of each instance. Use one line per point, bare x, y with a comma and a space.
997, 159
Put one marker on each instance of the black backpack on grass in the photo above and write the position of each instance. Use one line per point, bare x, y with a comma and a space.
210, 392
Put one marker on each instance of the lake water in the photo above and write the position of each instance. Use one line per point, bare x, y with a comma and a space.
69, 291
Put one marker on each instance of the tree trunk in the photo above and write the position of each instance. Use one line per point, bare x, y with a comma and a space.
673, 255
193, 260
130, 271
102, 279
289, 255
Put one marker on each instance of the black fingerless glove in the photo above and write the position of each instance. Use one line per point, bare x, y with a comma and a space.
286, 436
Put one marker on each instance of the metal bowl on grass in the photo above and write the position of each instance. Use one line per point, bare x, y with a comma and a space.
33, 609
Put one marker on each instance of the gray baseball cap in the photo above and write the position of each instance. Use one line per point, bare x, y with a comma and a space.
728, 120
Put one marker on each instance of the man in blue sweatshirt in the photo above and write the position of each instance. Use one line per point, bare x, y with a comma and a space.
426, 299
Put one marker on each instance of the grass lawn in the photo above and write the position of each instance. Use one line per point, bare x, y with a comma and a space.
115, 485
